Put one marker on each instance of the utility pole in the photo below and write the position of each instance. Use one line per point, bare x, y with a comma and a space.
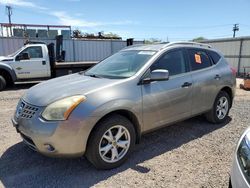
235, 28
9, 13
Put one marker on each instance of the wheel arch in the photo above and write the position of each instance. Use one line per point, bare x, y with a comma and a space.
8, 73
127, 114
229, 91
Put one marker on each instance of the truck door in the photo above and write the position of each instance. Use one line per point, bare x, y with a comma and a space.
30, 63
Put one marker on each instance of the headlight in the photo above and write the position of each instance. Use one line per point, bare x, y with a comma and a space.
243, 154
60, 110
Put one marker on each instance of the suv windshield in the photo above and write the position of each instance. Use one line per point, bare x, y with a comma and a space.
123, 64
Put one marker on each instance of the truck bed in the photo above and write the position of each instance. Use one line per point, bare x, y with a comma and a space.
64, 68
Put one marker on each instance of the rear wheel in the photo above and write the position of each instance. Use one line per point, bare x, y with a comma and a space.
111, 142
2, 83
220, 108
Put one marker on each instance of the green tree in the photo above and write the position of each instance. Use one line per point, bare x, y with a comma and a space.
197, 39
152, 41
111, 35
77, 33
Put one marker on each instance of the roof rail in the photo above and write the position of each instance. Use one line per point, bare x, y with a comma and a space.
187, 43
134, 45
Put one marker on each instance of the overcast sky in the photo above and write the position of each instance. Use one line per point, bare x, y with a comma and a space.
140, 19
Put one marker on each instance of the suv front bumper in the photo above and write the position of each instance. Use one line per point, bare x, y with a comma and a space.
55, 138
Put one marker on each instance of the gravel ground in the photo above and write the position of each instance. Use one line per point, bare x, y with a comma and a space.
192, 153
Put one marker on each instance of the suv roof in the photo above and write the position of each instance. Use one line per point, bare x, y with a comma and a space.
160, 46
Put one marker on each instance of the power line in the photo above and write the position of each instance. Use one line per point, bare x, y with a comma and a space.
245, 25
181, 26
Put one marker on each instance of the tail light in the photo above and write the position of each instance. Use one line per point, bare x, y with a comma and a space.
233, 70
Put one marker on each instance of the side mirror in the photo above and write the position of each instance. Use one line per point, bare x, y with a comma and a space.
23, 56
157, 75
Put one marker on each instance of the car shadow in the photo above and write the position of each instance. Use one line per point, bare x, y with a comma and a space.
22, 167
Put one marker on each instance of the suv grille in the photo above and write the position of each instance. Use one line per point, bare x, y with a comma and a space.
25, 110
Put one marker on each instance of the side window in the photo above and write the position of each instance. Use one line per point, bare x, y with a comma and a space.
173, 61
215, 56
198, 59
34, 52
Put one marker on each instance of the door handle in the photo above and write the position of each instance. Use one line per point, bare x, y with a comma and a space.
186, 84
217, 77
44, 62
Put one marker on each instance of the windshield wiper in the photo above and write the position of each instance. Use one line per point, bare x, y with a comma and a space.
93, 75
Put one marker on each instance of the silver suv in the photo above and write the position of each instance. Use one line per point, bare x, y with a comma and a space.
103, 112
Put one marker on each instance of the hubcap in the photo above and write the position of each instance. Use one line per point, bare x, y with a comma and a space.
222, 107
114, 144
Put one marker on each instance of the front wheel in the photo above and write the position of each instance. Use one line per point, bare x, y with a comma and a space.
220, 108
2, 83
111, 142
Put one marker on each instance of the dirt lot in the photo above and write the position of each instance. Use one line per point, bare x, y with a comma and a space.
192, 153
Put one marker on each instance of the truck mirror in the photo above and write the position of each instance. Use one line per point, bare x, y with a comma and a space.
22, 56
18, 57
25, 56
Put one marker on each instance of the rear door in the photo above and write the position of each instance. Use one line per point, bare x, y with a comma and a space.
205, 78
35, 67
170, 100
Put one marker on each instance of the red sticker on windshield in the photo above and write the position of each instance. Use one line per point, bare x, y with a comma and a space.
197, 58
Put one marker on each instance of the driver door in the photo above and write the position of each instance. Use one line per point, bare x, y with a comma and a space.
170, 100
32, 67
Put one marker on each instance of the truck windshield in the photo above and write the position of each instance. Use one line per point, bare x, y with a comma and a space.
123, 64
15, 53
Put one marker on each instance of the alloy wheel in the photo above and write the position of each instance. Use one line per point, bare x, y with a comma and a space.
114, 144
222, 107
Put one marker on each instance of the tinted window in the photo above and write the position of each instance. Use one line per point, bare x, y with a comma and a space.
173, 61
215, 56
198, 59
34, 52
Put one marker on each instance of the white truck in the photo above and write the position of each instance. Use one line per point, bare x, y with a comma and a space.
37, 61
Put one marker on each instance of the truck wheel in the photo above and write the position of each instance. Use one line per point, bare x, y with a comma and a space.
220, 108
111, 142
2, 83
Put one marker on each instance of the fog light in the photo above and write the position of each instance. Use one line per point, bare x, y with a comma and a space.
49, 147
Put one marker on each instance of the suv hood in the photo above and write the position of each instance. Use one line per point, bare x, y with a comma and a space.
50, 91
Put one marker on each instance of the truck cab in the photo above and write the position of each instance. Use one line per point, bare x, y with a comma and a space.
36, 61
30, 62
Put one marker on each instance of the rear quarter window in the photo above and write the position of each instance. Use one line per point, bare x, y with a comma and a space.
214, 56
199, 59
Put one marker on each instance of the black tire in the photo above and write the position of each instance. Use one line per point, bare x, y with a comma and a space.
96, 137
2, 83
212, 114
229, 183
